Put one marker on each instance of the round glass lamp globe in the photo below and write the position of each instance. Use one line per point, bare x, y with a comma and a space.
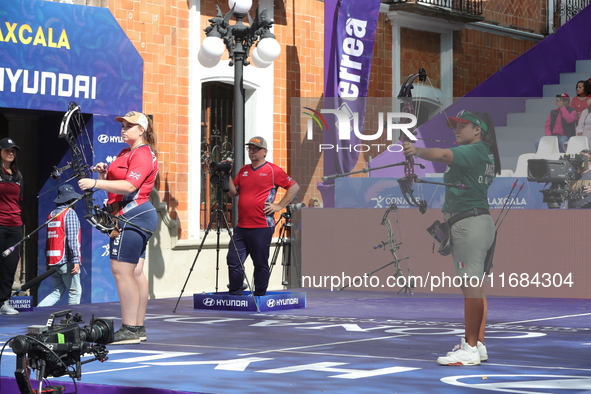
242, 6
268, 49
213, 47
207, 62
257, 61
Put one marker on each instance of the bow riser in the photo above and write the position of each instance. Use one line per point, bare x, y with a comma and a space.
406, 183
71, 129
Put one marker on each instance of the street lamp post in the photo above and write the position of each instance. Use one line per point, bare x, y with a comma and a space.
238, 39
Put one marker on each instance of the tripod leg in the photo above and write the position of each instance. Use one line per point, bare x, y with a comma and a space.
217, 252
278, 245
286, 261
283, 246
196, 257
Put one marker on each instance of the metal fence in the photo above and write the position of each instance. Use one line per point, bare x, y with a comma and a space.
472, 7
564, 10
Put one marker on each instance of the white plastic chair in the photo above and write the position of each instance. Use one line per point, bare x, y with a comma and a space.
521, 168
576, 144
548, 147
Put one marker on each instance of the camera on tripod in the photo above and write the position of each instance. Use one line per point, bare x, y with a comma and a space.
220, 173
51, 349
291, 208
559, 173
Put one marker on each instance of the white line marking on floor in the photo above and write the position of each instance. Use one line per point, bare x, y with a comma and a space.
322, 344
117, 369
547, 318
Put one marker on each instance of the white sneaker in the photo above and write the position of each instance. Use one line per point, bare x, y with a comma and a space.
482, 351
7, 309
479, 345
463, 354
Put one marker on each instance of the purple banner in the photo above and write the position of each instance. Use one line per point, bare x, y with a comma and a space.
349, 40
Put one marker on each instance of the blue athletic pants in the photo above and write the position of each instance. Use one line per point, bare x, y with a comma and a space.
256, 243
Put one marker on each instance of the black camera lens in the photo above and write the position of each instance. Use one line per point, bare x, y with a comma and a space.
20, 344
295, 207
537, 169
100, 331
223, 166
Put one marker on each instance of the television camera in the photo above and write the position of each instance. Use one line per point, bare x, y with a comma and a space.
559, 174
52, 348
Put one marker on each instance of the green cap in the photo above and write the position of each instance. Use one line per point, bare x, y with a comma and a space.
466, 117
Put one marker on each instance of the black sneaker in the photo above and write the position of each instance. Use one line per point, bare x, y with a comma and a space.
142, 333
126, 335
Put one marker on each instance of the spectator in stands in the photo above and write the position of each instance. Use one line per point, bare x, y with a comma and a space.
561, 121
582, 183
584, 125
579, 102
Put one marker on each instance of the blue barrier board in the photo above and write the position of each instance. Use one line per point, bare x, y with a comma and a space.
272, 301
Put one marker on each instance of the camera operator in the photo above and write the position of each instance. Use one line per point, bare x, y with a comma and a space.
256, 184
582, 183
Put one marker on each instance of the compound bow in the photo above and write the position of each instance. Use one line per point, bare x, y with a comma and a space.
392, 245
73, 129
406, 182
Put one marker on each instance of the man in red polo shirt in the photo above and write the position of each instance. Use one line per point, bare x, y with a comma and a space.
256, 184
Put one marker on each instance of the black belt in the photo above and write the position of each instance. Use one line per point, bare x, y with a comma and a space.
467, 214
116, 206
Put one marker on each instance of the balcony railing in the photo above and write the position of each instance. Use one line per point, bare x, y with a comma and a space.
471, 7
566, 9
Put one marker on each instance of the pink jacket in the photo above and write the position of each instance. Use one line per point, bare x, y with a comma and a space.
568, 114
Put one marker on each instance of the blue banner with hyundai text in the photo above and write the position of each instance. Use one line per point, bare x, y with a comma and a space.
52, 54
